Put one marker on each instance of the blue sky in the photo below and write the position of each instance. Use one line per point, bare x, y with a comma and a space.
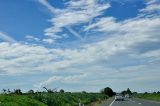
80, 45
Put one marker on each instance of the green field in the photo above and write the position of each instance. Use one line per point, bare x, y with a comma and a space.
19, 100
149, 96
50, 99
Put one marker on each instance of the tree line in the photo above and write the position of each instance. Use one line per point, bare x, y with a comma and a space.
107, 91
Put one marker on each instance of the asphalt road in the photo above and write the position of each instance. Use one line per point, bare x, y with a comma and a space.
131, 102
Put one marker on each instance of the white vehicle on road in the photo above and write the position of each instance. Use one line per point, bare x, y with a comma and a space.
128, 96
119, 97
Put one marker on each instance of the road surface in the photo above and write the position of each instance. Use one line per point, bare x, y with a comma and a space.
130, 102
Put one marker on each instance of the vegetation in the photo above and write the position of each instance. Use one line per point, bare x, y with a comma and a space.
68, 99
150, 96
128, 91
108, 91
18, 100
48, 98
51, 97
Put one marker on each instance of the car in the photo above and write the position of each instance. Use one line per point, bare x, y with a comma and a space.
119, 97
128, 96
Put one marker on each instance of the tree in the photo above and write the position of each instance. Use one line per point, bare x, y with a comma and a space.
145, 93
61, 91
48, 90
4, 91
108, 91
134, 93
84, 92
31, 91
9, 91
124, 92
129, 91
17, 91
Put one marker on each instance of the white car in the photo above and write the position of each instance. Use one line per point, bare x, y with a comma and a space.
119, 97
128, 96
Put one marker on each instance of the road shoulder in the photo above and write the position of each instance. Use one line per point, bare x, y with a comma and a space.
105, 102
147, 100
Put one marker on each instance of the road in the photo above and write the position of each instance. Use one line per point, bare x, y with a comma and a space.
131, 102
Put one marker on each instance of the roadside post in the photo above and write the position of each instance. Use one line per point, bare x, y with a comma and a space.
79, 102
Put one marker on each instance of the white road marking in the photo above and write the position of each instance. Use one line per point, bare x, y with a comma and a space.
112, 102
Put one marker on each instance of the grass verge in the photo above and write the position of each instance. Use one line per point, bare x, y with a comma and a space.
19, 100
148, 96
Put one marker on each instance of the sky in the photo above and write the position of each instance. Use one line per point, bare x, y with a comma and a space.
79, 45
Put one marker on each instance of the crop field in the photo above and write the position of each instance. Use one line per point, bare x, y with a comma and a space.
50, 99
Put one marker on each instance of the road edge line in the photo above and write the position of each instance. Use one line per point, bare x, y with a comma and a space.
112, 102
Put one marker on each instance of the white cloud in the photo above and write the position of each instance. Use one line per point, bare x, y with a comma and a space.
32, 38
20, 58
149, 2
104, 24
62, 79
89, 61
46, 4
152, 9
29, 58
73, 14
48, 41
154, 53
75, 33
144, 26
126, 34
7, 38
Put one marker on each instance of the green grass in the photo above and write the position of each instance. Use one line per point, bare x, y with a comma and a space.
19, 100
50, 99
68, 99
149, 96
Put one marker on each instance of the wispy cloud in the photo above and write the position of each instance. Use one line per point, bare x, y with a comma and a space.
72, 15
153, 6
32, 38
62, 79
123, 37
50, 7
7, 38
75, 33
48, 41
130, 33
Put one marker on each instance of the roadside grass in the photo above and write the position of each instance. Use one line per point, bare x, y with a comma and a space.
97, 104
51, 99
148, 96
18, 100
68, 99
